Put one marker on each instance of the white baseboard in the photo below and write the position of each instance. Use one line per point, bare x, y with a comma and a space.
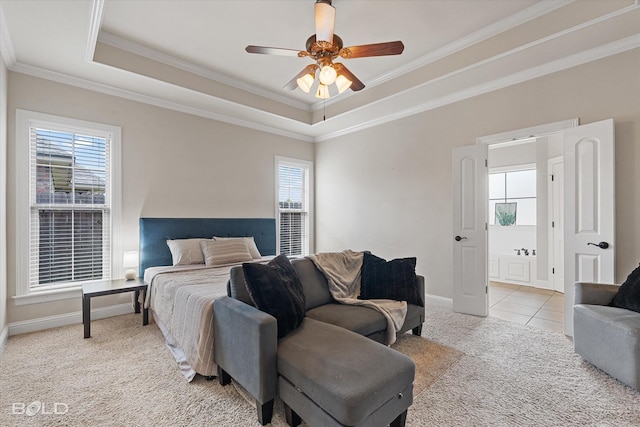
4, 335
544, 284
439, 301
43, 323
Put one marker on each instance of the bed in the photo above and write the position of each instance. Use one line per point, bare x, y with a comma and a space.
180, 298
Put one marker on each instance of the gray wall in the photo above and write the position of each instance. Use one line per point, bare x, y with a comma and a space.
173, 165
388, 189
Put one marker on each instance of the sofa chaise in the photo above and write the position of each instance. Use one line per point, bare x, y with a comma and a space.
249, 351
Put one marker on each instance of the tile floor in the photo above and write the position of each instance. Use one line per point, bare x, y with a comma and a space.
527, 305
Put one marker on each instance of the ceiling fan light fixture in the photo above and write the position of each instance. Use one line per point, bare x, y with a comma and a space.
327, 75
343, 83
325, 17
305, 82
323, 92
323, 48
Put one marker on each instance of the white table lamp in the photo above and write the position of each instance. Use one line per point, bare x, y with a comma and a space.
130, 262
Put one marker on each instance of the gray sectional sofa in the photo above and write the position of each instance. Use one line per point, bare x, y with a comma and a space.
247, 345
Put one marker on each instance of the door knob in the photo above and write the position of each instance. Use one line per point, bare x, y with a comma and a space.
458, 238
601, 245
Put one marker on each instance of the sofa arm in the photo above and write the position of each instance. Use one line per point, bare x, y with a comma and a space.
421, 288
594, 293
246, 342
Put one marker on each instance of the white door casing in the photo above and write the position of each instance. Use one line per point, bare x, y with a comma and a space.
589, 209
556, 221
470, 209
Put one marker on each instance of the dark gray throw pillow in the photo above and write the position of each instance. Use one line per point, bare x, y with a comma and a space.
276, 289
395, 279
628, 296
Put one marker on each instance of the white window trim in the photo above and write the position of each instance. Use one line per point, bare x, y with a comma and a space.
24, 119
280, 160
509, 169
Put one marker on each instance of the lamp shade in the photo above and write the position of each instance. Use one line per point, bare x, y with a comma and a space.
323, 91
327, 75
343, 83
130, 261
305, 82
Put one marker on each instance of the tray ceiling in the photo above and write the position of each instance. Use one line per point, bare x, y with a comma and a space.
189, 55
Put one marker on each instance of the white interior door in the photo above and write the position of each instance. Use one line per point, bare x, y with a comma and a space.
556, 217
589, 173
470, 207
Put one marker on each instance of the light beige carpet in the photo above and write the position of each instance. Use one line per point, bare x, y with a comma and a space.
470, 372
125, 376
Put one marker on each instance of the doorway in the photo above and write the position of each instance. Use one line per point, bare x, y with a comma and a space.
589, 202
523, 247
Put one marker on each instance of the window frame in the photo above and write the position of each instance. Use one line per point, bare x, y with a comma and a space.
24, 121
309, 183
506, 170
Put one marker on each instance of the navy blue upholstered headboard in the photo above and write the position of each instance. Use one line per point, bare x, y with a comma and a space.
154, 233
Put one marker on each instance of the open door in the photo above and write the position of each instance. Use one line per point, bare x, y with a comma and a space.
589, 209
470, 207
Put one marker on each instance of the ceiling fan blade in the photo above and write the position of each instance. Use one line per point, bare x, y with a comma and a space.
274, 51
356, 84
311, 68
325, 15
375, 49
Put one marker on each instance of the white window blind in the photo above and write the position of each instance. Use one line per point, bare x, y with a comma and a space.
70, 209
293, 208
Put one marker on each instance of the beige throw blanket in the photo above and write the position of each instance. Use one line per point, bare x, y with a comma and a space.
342, 270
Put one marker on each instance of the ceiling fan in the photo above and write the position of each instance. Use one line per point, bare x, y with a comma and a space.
324, 47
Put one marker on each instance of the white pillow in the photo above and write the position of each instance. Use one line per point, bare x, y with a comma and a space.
186, 251
225, 252
250, 242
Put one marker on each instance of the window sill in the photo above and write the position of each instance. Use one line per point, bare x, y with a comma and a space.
39, 297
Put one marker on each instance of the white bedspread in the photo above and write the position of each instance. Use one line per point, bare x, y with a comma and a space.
181, 299
342, 270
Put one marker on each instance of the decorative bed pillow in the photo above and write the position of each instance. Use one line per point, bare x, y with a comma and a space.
628, 296
224, 252
276, 289
250, 242
186, 251
395, 279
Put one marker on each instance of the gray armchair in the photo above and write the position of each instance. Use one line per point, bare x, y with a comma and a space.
607, 337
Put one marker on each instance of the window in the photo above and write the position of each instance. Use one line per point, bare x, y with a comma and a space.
293, 195
512, 197
68, 209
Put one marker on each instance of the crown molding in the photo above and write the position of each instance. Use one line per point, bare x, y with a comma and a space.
537, 10
373, 114
155, 101
170, 60
97, 9
6, 46
532, 12
542, 70
528, 14
580, 58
